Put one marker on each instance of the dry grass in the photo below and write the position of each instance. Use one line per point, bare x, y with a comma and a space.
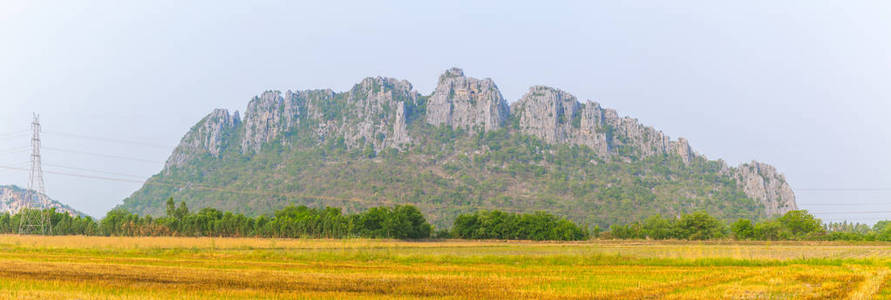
34, 267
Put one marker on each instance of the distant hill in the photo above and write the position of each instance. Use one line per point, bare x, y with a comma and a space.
460, 149
13, 199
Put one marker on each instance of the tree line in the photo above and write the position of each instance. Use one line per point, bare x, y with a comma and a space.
398, 222
499, 225
407, 222
793, 225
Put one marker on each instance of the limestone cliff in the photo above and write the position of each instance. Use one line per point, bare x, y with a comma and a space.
371, 114
557, 117
206, 137
379, 113
762, 182
466, 102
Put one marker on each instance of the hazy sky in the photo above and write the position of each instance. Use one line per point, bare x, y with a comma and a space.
802, 85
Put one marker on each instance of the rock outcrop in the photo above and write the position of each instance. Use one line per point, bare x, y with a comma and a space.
374, 114
270, 114
558, 117
13, 199
371, 114
466, 102
762, 182
206, 137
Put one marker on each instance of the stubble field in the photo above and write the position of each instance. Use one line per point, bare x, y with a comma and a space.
75, 267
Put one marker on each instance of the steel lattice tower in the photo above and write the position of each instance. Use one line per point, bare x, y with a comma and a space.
35, 219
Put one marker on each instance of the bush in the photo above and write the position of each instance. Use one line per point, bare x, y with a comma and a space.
743, 229
507, 226
699, 226
799, 224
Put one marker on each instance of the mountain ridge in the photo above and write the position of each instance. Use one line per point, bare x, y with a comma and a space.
379, 115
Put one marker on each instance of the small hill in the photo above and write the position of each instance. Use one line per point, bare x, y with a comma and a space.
458, 150
13, 199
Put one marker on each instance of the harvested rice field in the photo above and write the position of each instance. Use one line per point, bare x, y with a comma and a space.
77, 267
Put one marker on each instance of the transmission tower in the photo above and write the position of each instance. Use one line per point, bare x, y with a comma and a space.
35, 219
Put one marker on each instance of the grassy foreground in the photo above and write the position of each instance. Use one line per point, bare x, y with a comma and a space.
35, 267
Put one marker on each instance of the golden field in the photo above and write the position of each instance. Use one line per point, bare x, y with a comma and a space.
76, 267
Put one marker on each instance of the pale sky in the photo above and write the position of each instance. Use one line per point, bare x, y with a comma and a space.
802, 85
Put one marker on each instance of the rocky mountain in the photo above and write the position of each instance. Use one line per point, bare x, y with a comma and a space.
13, 199
459, 149
463, 102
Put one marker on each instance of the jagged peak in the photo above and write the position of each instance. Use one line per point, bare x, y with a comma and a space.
205, 137
467, 102
451, 73
764, 183
290, 94
542, 90
222, 113
384, 84
267, 94
763, 168
455, 76
218, 117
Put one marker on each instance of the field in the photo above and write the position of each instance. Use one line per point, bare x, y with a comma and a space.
33, 267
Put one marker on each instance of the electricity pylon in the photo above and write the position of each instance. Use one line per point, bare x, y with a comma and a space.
35, 214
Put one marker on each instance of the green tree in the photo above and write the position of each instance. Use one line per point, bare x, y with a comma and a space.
171, 207
407, 222
743, 229
770, 231
881, 225
800, 224
182, 211
659, 228
699, 226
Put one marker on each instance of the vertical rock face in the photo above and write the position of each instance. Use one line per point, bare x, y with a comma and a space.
465, 102
269, 115
682, 148
206, 137
644, 141
557, 117
549, 114
373, 113
762, 182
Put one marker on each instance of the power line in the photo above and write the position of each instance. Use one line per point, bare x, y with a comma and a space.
10, 137
102, 155
843, 204
17, 164
75, 175
15, 133
110, 140
94, 171
15, 150
105, 139
850, 212
295, 195
249, 192
880, 189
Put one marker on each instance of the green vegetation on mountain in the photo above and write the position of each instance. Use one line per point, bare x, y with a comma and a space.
457, 151
450, 172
